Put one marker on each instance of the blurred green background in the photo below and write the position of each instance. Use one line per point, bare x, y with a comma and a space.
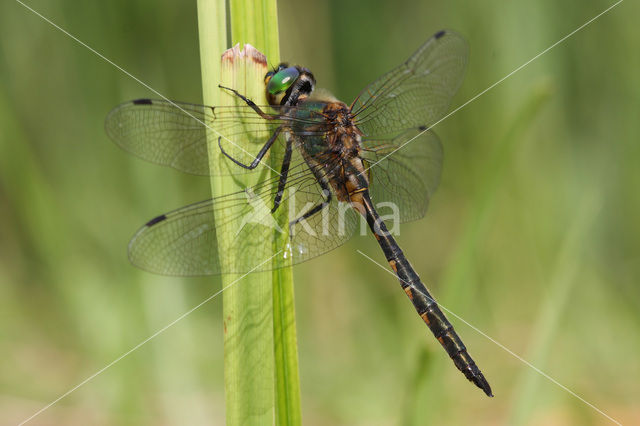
533, 236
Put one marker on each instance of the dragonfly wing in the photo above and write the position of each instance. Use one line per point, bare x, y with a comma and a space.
175, 133
404, 170
182, 242
199, 239
205, 238
418, 92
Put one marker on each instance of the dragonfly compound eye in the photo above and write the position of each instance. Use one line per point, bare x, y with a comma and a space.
282, 80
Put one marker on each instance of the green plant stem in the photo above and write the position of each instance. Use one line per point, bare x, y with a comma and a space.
261, 362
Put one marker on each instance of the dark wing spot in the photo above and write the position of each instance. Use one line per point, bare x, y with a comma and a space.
142, 102
439, 34
422, 128
156, 220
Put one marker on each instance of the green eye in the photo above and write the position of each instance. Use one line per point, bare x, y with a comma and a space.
282, 80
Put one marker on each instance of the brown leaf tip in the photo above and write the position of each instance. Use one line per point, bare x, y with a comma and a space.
248, 52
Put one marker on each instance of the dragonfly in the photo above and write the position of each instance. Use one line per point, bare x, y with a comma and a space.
380, 147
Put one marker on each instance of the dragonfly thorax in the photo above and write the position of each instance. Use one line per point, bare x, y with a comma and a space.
325, 130
334, 150
343, 137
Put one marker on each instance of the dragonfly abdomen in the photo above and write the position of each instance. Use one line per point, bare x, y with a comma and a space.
422, 300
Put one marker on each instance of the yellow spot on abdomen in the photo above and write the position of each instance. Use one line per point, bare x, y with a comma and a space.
409, 292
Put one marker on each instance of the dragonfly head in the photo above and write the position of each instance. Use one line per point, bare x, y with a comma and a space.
286, 85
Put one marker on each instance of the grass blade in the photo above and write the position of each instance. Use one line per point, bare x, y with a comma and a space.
261, 362
256, 22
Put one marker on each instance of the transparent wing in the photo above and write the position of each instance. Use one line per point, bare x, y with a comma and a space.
198, 239
418, 92
404, 170
175, 133
395, 112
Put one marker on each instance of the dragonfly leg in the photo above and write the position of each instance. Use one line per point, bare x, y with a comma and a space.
260, 155
249, 102
284, 173
326, 192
